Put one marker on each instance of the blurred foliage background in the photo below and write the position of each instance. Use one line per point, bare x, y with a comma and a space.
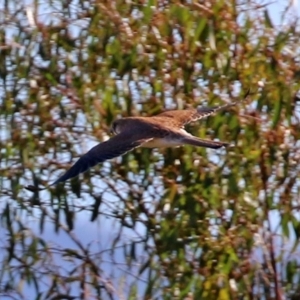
183, 223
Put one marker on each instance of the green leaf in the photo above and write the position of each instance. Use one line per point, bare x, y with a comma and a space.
268, 20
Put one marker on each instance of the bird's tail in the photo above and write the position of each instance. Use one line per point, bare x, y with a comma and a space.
204, 143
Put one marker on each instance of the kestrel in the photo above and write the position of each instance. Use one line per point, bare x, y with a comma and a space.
163, 130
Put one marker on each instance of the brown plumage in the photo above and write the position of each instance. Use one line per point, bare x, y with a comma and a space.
163, 130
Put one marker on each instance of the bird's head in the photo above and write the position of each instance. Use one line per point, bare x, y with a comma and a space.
128, 124
118, 126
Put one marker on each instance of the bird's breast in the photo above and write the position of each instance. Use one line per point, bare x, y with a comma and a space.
161, 143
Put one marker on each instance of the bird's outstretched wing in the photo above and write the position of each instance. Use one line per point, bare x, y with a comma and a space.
183, 117
116, 146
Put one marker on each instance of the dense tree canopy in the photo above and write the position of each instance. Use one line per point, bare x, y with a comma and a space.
182, 223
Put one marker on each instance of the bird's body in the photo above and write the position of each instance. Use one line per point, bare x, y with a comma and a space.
163, 130
166, 129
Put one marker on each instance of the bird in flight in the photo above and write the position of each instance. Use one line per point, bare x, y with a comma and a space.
163, 130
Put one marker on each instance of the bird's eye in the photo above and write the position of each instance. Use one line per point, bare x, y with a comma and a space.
113, 128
